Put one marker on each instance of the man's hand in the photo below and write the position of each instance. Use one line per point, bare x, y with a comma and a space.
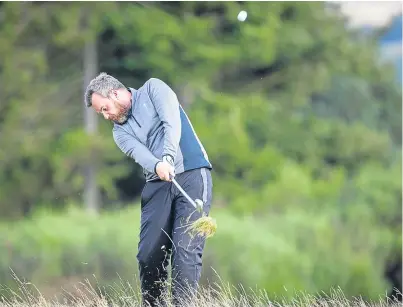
164, 170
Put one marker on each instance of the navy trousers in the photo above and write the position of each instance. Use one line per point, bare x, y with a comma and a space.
165, 212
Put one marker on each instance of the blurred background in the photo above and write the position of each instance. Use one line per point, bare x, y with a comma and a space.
299, 108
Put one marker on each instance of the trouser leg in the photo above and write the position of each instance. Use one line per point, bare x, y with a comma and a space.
187, 251
155, 245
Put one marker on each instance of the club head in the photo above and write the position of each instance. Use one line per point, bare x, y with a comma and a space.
199, 204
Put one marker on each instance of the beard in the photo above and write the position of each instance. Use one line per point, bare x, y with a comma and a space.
123, 114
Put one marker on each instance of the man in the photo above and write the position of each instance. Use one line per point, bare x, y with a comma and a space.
151, 127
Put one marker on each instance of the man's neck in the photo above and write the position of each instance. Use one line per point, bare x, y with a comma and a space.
132, 98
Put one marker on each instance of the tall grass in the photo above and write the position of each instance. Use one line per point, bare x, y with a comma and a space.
221, 294
287, 253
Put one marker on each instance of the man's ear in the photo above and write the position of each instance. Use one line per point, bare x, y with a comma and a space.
114, 94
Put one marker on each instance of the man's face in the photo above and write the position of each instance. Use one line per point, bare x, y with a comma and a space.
115, 107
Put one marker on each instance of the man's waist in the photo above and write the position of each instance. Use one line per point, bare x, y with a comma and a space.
154, 177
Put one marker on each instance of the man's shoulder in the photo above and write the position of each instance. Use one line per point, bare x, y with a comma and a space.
154, 82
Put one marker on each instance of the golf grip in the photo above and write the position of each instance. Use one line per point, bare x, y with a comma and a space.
183, 192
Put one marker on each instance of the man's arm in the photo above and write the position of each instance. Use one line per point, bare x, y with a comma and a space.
167, 106
133, 148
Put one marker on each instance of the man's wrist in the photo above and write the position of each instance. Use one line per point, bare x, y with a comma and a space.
155, 166
166, 158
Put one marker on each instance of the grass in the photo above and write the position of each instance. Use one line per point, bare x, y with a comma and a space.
204, 226
84, 294
302, 254
276, 252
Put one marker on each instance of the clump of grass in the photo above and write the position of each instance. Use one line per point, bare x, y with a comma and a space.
205, 226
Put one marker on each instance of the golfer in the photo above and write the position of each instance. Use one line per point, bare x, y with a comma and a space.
151, 127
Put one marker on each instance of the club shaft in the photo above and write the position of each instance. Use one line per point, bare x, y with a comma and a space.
184, 193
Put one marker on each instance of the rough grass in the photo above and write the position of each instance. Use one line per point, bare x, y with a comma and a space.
307, 253
204, 226
85, 294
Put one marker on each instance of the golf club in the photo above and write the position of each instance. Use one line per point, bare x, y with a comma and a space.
198, 204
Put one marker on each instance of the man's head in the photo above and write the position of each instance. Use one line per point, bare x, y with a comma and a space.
107, 95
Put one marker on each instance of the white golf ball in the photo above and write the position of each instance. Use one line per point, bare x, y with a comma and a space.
242, 15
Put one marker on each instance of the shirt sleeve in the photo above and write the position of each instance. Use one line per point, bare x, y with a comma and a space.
134, 149
167, 106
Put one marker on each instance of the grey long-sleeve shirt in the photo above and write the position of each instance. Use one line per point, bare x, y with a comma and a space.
159, 126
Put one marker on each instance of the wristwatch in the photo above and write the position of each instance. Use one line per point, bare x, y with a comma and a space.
169, 159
